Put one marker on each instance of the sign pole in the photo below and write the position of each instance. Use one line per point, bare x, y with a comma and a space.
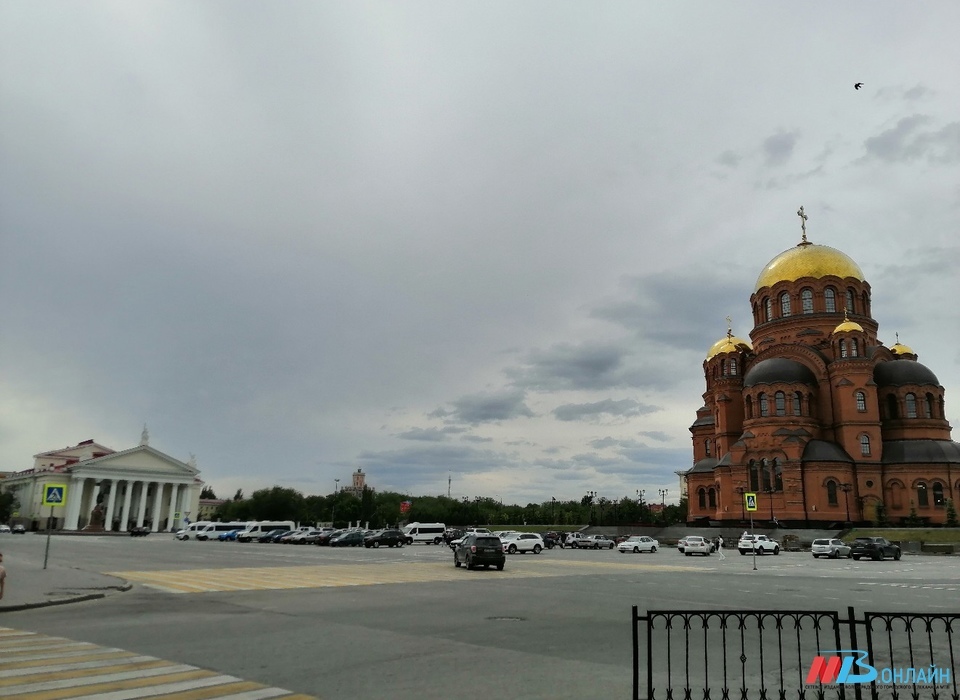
754, 544
750, 501
54, 495
46, 552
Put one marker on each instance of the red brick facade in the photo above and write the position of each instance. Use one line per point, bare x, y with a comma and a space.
814, 414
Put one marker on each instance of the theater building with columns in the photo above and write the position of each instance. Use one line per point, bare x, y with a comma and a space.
107, 489
815, 414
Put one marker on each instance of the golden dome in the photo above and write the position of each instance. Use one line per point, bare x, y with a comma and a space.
808, 260
728, 343
848, 326
901, 349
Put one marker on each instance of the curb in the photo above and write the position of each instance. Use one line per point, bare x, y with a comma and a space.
66, 600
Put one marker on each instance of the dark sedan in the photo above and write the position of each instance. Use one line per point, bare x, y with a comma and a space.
390, 538
876, 548
354, 538
323, 539
140, 532
480, 550
273, 535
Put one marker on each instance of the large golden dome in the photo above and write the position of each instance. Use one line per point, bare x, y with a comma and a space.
808, 260
728, 343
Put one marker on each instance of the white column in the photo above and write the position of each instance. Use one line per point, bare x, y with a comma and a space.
155, 511
111, 501
74, 496
142, 500
174, 495
125, 512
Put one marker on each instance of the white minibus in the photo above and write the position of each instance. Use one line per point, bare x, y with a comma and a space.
428, 533
192, 530
256, 530
213, 530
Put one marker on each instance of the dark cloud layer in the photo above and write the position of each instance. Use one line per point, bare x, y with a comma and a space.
586, 411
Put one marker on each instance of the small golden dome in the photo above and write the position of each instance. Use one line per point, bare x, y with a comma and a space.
728, 343
847, 326
808, 260
901, 349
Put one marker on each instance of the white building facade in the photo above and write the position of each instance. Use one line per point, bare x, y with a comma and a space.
117, 491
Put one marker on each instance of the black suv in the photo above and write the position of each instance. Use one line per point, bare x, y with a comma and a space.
875, 548
391, 538
480, 550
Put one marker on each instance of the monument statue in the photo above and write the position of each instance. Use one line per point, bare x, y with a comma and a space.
97, 516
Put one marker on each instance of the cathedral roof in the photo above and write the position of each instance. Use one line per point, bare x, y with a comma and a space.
728, 343
824, 451
704, 465
808, 260
899, 348
922, 451
903, 372
779, 369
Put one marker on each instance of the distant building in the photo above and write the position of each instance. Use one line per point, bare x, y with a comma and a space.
814, 414
137, 487
359, 483
207, 508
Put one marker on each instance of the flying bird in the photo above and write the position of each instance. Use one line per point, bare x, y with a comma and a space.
857, 86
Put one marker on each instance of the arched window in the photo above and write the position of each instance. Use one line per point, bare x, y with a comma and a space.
797, 404
764, 409
780, 402
777, 475
928, 406
719, 448
832, 493
712, 498
911, 402
861, 399
938, 494
806, 301
865, 300
723, 368
849, 306
893, 410
854, 348
702, 497
767, 309
733, 367
865, 445
765, 473
706, 446
754, 477
830, 297
749, 404
923, 500
843, 348
784, 305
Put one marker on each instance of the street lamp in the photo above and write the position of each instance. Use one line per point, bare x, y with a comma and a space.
770, 492
741, 490
663, 497
333, 513
590, 496
847, 488
553, 509
616, 513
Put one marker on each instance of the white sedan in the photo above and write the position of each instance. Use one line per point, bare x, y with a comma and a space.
523, 542
637, 544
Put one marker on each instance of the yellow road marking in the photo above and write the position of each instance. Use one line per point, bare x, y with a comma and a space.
80, 672
115, 685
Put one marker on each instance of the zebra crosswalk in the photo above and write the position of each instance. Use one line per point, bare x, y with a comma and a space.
39, 667
337, 575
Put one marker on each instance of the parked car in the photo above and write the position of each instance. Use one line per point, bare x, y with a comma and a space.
523, 542
480, 550
681, 544
18, 529
351, 538
593, 542
303, 537
695, 544
140, 532
876, 548
5, 529
324, 538
390, 538
274, 535
637, 544
761, 544
229, 535
832, 549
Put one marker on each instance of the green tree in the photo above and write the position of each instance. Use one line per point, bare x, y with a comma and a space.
277, 503
207, 492
8, 504
238, 496
951, 514
882, 515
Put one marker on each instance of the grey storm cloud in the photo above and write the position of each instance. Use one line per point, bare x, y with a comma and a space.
730, 159
586, 366
489, 407
584, 411
779, 147
412, 465
430, 434
908, 142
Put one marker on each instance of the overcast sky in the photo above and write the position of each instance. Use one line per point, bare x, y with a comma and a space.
491, 242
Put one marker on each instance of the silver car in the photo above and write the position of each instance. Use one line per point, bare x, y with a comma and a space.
832, 549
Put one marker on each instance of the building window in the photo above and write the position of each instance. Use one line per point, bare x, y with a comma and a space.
938, 494
922, 499
754, 477
712, 498
765, 474
843, 348
865, 445
861, 401
849, 306
928, 407
892, 410
797, 404
777, 475
767, 309
780, 402
854, 348
830, 296
706, 446
911, 402
702, 497
733, 367
784, 305
764, 409
806, 300
832, 493
749, 403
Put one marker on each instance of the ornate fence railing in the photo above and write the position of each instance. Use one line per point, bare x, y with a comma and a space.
795, 655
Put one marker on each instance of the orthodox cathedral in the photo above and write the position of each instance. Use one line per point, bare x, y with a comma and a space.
816, 416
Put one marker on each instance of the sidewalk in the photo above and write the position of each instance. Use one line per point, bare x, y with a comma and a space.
29, 585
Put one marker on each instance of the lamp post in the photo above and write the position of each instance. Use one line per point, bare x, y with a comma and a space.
640, 495
847, 488
663, 497
333, 510
590, 496
741, 490
616, 513
770, 492
553, 509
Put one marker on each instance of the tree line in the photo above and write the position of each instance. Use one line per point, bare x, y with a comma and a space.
385, 509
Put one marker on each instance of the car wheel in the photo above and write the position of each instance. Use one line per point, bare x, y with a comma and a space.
469, 565
537, 549
878, 556
512, 549
399, 544
653, 550
500, 566
816, 556
856, 557
456, 562
776, 551
636, 550
376, 545
896, 555
688, 554
742, 553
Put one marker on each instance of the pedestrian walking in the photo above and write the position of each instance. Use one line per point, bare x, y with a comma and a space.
720, 547
3, 575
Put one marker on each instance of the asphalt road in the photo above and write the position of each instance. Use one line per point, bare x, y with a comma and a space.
404, 623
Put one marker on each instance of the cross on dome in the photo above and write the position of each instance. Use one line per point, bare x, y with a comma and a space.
803, 225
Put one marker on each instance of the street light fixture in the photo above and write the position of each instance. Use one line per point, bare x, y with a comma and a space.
741, 490
333, 510
553, 509
663, 497
770, 491
847, 488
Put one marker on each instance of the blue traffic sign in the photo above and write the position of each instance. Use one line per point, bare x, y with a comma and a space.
54, 494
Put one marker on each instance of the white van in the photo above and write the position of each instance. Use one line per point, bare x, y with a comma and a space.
211, 531
192, 529
428, 533
256, 530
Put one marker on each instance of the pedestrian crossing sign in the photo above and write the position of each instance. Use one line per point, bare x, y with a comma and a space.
750, 500
54, 494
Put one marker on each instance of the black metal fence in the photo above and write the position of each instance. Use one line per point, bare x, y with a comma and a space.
795, 654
